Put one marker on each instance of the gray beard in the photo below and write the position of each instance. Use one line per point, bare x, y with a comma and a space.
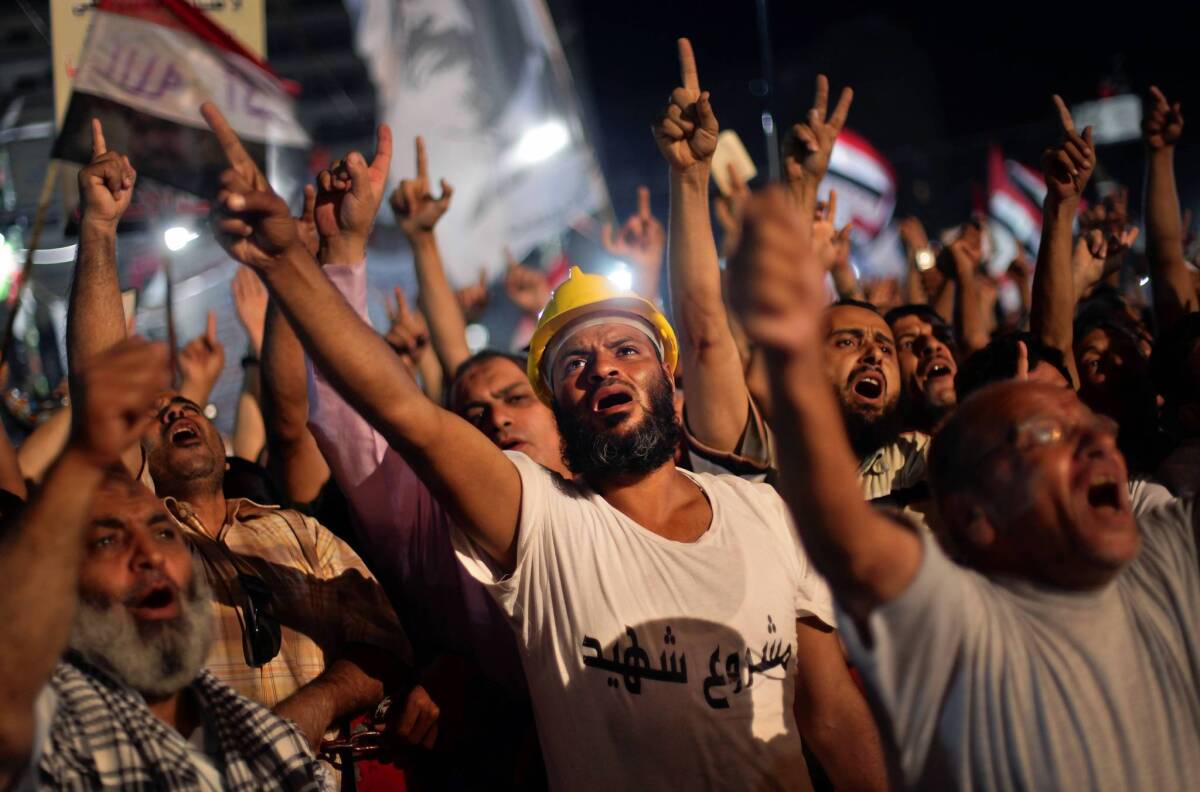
157, 660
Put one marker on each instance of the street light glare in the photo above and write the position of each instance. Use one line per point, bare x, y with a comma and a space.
541, 142
177, 237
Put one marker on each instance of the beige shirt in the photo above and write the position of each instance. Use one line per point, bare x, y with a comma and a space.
324, 598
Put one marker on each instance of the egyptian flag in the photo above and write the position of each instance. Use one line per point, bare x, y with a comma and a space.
1014, 194
145, 69
865, 184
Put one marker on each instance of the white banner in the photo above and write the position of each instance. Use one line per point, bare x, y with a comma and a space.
169, 73
487, 86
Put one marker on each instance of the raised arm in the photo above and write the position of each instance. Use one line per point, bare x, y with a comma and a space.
250, 300
418, 212
42, 552
964, 255
718, 403
1174, 294
641, 242
292, 453
1067, 168
95, 315
779, 292
470, 476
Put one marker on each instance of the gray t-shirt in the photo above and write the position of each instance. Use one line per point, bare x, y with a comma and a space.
1001, 684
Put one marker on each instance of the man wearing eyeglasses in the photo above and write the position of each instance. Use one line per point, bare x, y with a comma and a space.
301, 624
1050, 641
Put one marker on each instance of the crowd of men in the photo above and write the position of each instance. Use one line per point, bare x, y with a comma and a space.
806, 533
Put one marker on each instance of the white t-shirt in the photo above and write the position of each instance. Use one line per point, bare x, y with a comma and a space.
990, 683
656, 664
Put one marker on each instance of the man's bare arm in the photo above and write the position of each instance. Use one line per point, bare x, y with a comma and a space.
348, 686
779, 292
293, 455
832, 714
95, 313
1067, 168
471, 477
418, 212
1174, 294
717, 399
41, 554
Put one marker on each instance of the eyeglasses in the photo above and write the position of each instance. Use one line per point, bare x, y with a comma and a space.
261, 636
1047, 430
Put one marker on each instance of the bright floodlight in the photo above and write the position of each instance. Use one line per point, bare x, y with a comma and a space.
477, 337
177, 237
541, 142
621, 277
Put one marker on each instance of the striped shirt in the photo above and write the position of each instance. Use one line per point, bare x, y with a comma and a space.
324, 598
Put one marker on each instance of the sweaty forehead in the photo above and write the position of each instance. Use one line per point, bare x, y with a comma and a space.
851, 317
1006, 404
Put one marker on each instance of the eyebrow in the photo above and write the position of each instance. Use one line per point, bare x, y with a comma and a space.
114, 523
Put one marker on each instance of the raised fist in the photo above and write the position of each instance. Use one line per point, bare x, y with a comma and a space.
106, 183
113, 398
415, 208
1162, 125
249, 220
686, 131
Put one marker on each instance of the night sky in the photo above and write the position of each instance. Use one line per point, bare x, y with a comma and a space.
932, 89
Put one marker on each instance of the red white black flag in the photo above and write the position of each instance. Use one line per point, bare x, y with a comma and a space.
145, 69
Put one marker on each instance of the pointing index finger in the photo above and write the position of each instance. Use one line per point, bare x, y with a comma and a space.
422, 159
643, 194
1064, 115
382, 161
99, 146
687, 66
230, 144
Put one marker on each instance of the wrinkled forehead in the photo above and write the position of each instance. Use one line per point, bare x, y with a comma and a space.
841, 318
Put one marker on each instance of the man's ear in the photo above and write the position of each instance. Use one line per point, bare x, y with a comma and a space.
965, 525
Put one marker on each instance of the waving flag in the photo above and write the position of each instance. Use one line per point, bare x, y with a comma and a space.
1015, 194
146, 67
865, 184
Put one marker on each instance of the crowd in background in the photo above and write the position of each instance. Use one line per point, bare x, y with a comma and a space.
758, 524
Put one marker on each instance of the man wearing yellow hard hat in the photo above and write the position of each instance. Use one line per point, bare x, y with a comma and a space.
656, 609
671, 629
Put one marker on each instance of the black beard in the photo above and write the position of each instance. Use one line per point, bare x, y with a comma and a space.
869, 433
646, 447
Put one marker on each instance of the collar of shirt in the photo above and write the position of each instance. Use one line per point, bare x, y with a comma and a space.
236, 510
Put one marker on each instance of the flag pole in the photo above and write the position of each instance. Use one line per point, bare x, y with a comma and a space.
35, 236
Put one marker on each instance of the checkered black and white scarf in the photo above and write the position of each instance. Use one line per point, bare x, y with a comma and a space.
103, 736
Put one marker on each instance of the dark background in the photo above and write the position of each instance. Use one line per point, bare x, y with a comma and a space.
933, 85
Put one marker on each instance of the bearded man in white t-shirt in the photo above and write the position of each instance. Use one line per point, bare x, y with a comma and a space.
672, 631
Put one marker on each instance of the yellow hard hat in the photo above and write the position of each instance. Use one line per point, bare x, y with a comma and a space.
583, 295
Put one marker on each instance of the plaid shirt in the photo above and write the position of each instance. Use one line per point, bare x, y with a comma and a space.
324, 598
103, 736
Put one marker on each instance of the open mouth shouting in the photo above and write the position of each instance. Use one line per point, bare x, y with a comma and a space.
154, 602
1106, 494
611, 399
867, 386
184, 433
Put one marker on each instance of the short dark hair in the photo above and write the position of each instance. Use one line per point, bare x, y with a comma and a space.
919, 310
872, 307
998, 361
479, 358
